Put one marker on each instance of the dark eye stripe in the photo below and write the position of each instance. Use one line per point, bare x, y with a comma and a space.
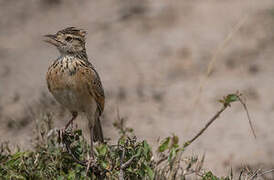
79, 39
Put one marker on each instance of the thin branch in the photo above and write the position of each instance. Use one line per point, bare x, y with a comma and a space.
265, 172
121, 173
206, 126
161, 160
200, 164
175, 167
248, 116
126, 164
67, 144
83, 163
256, 174
199, 133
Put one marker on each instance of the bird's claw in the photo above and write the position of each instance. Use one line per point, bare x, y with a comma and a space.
61, 133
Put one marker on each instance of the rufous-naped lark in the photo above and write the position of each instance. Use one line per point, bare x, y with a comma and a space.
74, 82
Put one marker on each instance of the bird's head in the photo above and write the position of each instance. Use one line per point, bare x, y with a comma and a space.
69, 40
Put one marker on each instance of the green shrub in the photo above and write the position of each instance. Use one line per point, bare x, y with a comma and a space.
63, 156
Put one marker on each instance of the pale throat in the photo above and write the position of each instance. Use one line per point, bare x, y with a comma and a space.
70, 56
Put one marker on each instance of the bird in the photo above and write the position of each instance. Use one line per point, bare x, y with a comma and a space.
74, 82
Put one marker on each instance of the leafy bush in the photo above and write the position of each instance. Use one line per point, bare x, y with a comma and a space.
62, 156
129, 158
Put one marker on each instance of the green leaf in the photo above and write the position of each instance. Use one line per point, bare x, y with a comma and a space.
147, 149
175, 141
78, 132
122, 141
150, 172
17, 177
102, 149
139, 152
164, 145
232, 97
209, 176
71, 175
172, 154
229, 99
15, 158
104, 164
18, 154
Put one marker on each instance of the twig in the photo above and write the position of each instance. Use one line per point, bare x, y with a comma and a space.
161, 160
255, 174
271, 170
83, 163
126, 164
121, 174
226, 103
176, 164
248, 116
67, 144
94, 167
206, 126
199, 133
200, 164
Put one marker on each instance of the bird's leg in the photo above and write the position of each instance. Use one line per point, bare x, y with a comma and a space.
74, 115
91, 116
63, 130
91, 143
91, 153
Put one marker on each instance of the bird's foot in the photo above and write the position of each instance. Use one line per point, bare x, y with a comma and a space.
61, 134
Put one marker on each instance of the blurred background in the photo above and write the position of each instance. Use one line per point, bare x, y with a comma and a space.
153, 58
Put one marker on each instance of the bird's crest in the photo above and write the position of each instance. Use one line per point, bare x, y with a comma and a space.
74, 31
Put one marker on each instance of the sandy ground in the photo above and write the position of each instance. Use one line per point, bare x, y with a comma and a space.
153, 58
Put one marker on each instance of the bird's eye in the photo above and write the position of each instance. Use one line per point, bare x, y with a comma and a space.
68, 38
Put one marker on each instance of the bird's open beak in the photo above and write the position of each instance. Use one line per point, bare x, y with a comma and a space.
51, 38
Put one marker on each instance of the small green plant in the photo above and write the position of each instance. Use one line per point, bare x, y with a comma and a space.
61, 157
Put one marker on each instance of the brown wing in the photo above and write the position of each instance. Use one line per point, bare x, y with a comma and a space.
95, 87
99, 95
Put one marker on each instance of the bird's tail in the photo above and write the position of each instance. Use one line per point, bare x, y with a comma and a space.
98, 132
